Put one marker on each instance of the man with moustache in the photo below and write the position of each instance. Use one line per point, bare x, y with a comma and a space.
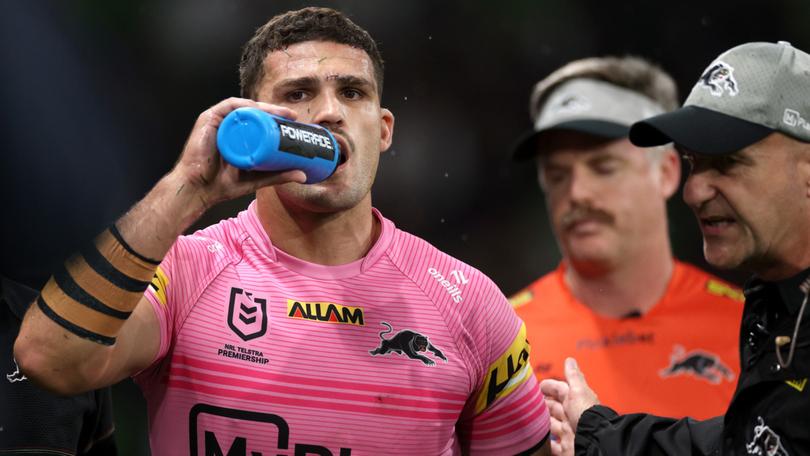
636, 318
309, 323
744, 130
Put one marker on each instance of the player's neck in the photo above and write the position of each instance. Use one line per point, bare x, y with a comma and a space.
630, 288
322, 238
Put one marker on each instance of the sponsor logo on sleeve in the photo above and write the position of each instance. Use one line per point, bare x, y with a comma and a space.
719, 79
453, 288
214, 247
699, 363
765, 442
247, 314
158, 285
409, 343
508, 372
327, 312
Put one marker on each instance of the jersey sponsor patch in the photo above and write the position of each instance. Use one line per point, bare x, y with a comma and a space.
327, 312
215, 430
158, 285
521, 299
699, 363
797, 384
250, 355
718, 288
615, 339
409, 343
508, 372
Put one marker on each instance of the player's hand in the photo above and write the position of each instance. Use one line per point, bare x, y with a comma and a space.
567, 401
211, 177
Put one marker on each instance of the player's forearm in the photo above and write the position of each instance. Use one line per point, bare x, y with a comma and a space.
152, 225
67, 339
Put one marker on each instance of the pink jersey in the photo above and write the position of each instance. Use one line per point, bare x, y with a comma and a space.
406, 351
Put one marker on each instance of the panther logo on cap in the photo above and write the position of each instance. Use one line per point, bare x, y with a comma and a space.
719, 78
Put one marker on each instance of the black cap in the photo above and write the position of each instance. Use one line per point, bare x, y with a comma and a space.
699, 130
528, 145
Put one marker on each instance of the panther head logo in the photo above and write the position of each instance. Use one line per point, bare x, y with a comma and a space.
698, 363
719, 78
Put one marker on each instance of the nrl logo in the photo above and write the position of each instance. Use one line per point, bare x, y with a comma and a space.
719, 78
247, 314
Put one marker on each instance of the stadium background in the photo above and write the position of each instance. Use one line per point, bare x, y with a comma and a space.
98, 97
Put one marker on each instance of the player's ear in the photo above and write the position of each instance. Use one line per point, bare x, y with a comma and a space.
802, 155
670, 169
386, 129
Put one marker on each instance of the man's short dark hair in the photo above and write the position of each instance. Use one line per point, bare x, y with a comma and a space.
307, 24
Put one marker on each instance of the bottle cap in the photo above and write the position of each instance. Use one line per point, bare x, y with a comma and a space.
243, 136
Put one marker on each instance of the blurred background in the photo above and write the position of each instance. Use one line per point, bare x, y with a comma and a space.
98, 97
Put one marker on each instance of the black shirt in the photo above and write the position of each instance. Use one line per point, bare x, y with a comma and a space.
34, 421
769, 413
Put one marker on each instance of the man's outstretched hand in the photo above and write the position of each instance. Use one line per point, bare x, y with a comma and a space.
566, 401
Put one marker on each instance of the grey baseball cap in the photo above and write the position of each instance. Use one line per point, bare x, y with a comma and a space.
745, 94
588, 106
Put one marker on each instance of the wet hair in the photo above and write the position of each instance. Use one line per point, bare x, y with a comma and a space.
307, 24
633, 73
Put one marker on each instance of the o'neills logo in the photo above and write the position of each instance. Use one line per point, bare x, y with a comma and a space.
325, 311
451, 288
308, 137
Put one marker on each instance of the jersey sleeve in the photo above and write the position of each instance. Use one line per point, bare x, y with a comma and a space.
179, 279
507, 413
160, 293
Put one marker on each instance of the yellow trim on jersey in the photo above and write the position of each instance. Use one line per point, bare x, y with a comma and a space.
508, 372
721, 289
521, 299
158, 286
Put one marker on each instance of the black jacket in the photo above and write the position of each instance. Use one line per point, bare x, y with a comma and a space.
769, 414
34, 421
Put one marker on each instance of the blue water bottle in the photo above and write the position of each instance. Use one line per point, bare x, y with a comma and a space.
252, 139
